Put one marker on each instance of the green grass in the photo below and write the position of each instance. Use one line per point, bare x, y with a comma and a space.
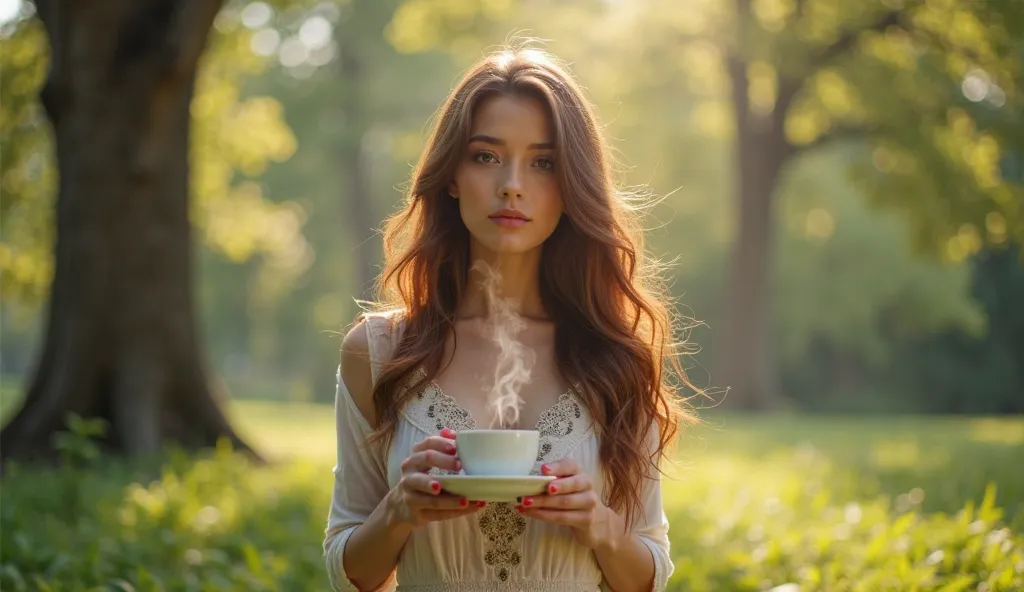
825, 503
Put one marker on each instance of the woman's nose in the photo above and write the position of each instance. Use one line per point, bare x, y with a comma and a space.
511, 192
511, 185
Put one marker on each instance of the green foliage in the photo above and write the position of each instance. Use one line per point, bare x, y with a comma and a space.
825, 504
77, 444
861, 322
960, 372
234, 139
838, 254
215, 523
27, 178
935, 85
769, 531
905, 136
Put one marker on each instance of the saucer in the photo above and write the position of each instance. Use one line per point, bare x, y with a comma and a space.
486, 488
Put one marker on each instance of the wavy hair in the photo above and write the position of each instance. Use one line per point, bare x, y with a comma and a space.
613, 324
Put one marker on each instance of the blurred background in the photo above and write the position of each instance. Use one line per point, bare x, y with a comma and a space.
840, 189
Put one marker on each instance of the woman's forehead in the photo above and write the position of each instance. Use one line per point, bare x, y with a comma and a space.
513, 120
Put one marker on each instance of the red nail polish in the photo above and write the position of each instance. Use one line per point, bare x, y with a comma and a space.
552, 488
521, 509
435, 486
545, 469
463, 502
527, 501
481, 504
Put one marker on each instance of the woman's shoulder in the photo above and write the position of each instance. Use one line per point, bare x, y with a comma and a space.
373, 336
382, 323
367, 342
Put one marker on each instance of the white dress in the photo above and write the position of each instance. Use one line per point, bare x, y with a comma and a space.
496, 548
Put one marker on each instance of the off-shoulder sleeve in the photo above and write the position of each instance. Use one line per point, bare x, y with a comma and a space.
360, 483
651, 527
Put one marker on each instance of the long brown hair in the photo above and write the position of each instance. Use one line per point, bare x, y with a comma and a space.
613, 334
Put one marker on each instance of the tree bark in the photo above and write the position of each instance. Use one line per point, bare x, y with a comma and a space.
359, 200
121, 340
745, 361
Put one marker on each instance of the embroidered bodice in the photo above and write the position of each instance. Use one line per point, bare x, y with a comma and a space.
496, 548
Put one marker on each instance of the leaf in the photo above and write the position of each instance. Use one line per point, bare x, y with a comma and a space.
958, 584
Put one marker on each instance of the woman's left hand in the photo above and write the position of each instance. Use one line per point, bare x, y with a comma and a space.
571, 501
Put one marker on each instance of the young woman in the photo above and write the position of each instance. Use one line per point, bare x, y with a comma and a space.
515, 176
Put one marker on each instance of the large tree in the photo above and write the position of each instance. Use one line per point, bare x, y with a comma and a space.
898, 76
121, 339
929, 90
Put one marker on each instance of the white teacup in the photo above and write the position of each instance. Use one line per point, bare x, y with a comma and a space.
497, 452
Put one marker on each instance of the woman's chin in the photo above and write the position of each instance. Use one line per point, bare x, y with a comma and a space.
504, 246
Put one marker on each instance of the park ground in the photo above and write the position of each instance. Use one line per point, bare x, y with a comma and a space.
755, 503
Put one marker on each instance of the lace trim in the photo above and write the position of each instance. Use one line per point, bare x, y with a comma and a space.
562, 428
432, 410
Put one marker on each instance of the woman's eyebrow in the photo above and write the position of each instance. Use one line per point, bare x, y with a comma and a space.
499, 142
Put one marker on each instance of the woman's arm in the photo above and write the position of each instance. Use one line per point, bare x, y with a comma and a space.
362, 547
372, 551
625, 559
369, 523
650, 527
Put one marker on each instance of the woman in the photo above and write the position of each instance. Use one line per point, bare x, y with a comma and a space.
515, 178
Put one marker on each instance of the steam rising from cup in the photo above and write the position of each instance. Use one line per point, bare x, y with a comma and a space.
515, 361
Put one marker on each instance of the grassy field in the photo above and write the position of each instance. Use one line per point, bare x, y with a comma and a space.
950, 460
816, 503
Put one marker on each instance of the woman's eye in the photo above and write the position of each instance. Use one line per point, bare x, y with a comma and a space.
545, 163
484, 157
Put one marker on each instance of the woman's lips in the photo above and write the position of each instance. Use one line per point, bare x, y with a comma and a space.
508, 221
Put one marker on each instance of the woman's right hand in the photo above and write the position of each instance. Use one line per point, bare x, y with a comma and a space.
417, 499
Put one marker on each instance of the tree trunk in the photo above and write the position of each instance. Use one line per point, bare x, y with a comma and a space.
121, 341
359, 200
745, 361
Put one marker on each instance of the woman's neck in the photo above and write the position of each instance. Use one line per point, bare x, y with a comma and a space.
513, 278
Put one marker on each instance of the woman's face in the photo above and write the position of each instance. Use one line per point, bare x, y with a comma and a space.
506, 183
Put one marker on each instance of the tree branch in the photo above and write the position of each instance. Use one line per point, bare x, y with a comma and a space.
190, 31
174, 32
798, 12
847, 40
789, 86
787, 90
836, 134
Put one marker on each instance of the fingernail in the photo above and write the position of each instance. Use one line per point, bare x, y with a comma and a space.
552, 488
463, 502
521, 509
481, 504
451, 448
527, 501
435, 486
458, 465
545, 469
